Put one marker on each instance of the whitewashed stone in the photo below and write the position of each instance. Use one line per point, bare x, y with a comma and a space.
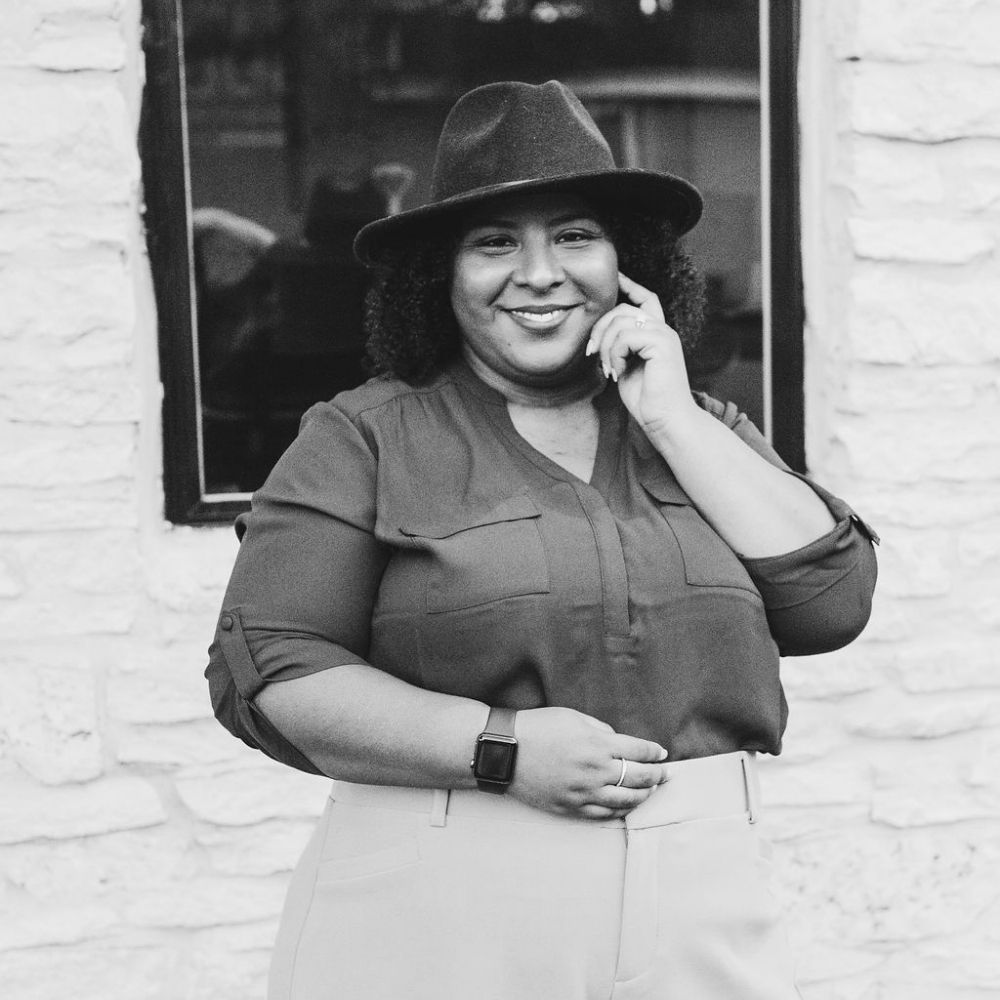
75, 142
108, 504
86, 562
944, 714
892, 176
867, 886
99, 868
11, 580
951, 663
267, 848
823, 962
74, 398
980, 549
901, 316
925, 241
207, 902
178, 745
24, 924
251, 794
189, 571
154, 685
51, 456
920, 789
834, 780
52, 615
92, 50
905, 390
947, 30
100, 806
49, 721
829, 676
949, 444
927, 102
98, 971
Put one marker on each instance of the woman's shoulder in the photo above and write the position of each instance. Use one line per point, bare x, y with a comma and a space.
381, 396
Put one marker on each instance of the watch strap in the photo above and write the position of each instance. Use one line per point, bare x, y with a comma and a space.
500, 722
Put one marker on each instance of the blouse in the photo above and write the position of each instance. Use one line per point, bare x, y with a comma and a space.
412, 528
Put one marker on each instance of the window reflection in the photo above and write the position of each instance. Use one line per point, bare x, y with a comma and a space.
307, 120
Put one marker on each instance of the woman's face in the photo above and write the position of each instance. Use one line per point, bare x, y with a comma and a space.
531, 276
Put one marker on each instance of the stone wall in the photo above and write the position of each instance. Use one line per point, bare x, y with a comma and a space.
888, 793
144, 852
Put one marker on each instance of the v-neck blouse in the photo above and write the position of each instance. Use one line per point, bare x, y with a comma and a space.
413, 528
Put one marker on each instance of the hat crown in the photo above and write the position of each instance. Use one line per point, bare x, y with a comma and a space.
505, 133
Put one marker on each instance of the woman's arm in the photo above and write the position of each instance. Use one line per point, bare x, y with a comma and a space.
357, 723
756, 507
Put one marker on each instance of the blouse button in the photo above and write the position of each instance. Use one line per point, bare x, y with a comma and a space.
226, 621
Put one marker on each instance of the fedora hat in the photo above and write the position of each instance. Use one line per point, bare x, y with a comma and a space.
505, 138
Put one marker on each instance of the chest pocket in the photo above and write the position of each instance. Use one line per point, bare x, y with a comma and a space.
708, 560
477, 555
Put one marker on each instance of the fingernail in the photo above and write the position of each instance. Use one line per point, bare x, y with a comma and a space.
590, 349
606, 370
614, 374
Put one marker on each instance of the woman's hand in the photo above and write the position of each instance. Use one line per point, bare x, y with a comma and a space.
570, 763
643, 354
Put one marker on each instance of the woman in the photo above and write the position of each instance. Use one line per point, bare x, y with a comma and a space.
523, 596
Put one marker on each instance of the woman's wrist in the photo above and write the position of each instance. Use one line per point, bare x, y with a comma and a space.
676, 431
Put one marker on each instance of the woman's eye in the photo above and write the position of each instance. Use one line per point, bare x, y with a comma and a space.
494, 242
576, 236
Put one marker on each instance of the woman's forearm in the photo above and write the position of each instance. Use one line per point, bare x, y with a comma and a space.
357, 723
756, 507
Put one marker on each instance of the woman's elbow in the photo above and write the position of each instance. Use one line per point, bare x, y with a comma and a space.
829, 621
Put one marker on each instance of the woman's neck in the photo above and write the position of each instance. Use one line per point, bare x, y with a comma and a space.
585, 385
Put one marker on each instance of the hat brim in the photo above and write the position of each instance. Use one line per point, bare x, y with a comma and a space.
665, 195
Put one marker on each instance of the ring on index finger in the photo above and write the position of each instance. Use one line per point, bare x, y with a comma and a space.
621, 777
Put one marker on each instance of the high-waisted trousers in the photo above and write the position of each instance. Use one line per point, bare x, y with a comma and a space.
421, 894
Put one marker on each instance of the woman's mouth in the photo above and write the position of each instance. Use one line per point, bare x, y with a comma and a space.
541, 316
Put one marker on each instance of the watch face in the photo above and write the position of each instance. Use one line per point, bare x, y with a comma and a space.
495, 760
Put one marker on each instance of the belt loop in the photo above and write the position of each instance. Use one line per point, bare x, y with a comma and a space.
439, 807
752, 787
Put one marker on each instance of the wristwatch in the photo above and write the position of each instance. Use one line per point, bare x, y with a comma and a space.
496, 752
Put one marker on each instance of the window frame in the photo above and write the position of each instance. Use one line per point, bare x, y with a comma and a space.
167, 208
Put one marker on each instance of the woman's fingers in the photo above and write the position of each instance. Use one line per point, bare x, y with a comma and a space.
634, 748
627, 331
626, 773
646, 300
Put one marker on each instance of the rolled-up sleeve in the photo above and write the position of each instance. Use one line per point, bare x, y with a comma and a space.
817, 598
304, 583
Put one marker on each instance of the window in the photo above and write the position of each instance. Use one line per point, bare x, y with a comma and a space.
271, 132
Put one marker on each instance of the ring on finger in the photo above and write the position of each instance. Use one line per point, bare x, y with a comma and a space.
621, 777
640, 321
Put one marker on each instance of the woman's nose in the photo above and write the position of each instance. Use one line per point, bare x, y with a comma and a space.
539, 266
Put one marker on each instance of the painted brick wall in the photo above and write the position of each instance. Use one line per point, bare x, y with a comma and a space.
144, 853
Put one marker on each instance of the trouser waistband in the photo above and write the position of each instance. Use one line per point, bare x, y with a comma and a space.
701, 788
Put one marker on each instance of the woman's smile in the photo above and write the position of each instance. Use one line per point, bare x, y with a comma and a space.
540, 318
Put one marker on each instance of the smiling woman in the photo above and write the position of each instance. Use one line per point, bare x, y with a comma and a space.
523, 597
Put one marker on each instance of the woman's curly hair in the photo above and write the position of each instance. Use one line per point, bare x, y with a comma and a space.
411, 328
